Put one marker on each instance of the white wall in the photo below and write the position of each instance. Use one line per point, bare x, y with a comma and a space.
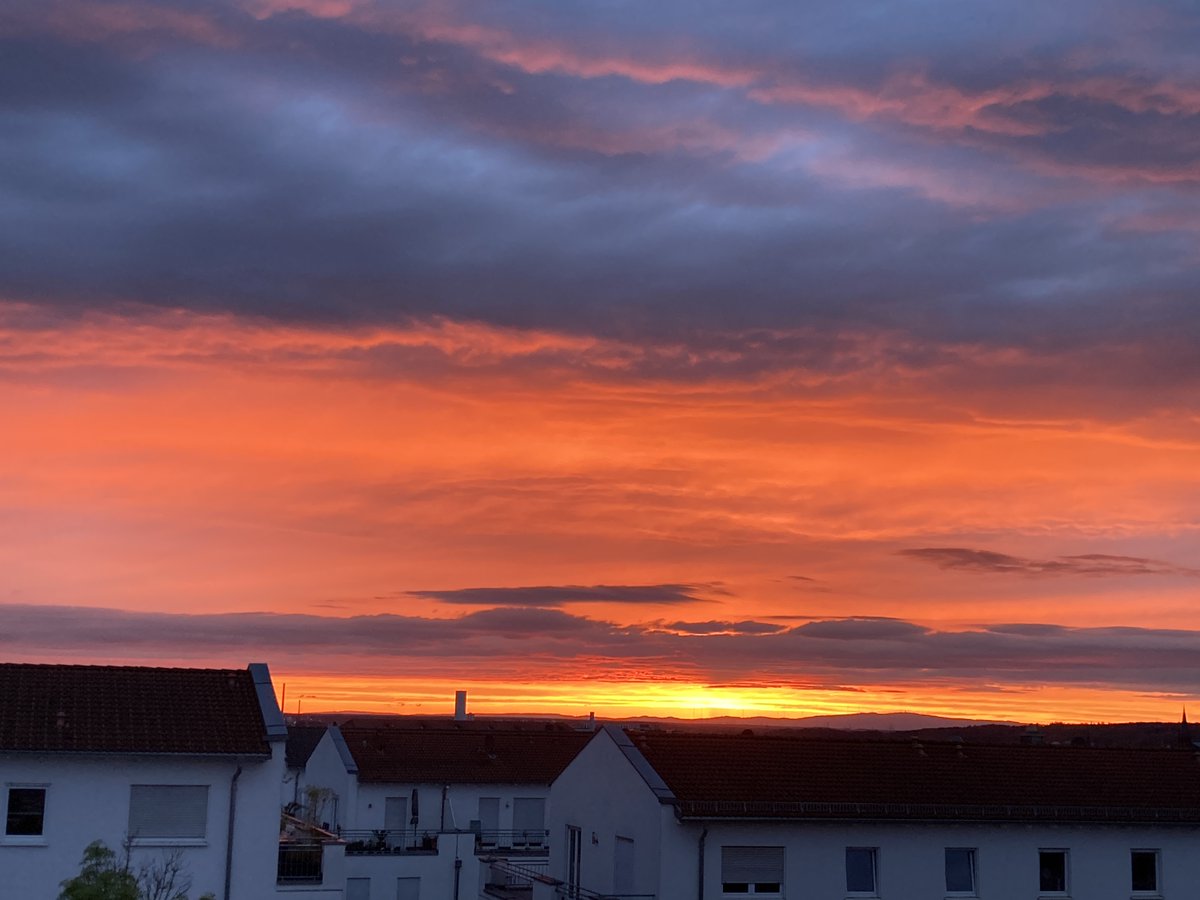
436, 871
911, 858
602, 795
87, 799
461, 807
327, 769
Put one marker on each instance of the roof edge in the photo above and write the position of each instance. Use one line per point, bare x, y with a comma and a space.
276, 727
641, 765
343, 749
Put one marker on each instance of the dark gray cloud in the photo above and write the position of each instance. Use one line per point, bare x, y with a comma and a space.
558, 595
1090, 565
589, 168
517, 642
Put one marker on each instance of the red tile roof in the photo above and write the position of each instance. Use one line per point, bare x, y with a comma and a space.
129, 709
789, 777
399, 756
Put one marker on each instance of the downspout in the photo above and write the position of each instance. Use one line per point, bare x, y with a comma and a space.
229, 832
445, 788
700, 880
457, 868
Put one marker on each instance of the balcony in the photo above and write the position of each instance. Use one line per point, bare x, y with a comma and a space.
514, 881
530, 842
300, 864
307, 854
386, 842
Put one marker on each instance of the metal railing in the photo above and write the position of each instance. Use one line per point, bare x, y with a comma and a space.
300, 864
530, 839
382, 841
517, 876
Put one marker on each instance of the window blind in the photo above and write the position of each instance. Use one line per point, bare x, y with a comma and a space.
752, 865
168, 810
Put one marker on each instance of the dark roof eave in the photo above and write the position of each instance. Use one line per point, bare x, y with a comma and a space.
190, 754
694, 811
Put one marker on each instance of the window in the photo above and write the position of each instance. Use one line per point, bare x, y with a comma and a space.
752, 870
26, 811
1052, 871
529, 821
170, 811
1144, 865
860, 870
408, 888
358, 889
960, 870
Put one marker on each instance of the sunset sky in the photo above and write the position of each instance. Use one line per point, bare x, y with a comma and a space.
673, 357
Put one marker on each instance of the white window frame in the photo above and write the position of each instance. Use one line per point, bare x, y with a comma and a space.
752, 887
26, 840
1066, 855
974, 858
1156, 891
874, 856
141, 839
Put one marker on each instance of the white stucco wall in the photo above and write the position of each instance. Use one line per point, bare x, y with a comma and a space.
602, 795
327, 769
462, 804
87, 799
910, 858
435, 871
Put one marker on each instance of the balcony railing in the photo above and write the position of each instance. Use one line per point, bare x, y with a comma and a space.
383, 841
300, 864
534, 840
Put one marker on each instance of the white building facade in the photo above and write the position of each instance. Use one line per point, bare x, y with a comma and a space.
152, 762
697, 817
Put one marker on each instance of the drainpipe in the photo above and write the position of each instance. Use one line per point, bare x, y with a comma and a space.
700, 883
229, 833
457, 869
445, 788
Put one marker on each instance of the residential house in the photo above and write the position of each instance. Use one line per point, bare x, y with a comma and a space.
157, 761
699, 816
427, 810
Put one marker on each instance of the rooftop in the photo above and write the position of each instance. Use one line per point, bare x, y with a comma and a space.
754, 776
401, 756
130, 709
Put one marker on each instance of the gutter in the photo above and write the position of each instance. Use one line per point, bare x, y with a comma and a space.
233, 782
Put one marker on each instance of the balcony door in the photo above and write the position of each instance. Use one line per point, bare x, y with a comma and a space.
395, 820
489, 821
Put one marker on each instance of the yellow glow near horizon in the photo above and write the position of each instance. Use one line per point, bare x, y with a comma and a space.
615, 700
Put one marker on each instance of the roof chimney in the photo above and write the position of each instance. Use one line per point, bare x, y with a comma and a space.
460, 706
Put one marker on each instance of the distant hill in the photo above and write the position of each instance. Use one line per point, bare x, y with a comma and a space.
854, 726
898, 721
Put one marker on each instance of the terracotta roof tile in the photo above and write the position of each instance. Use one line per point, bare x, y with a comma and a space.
788, 777
398, 756
302, 740
129, 709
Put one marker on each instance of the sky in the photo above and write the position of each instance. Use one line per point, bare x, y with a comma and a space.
677, 358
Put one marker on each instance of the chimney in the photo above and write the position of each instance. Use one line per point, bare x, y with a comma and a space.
460, 706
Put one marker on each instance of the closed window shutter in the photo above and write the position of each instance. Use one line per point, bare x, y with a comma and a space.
752, 865
168, 810
529, 814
